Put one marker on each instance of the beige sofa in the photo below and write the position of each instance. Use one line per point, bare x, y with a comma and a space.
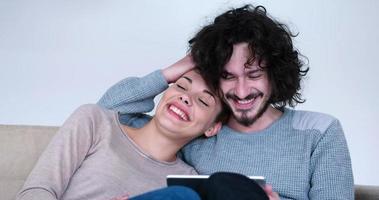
20, 147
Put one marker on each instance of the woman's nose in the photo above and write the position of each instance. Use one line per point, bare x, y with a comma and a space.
185, 99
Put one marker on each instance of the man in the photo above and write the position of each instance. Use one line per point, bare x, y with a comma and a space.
249, 58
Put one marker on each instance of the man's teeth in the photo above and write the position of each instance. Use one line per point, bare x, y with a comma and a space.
245, 101
179, 112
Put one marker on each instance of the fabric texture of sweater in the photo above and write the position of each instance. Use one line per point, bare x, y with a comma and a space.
303, 155
92, 158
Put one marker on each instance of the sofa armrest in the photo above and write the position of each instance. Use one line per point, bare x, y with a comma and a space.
366, 192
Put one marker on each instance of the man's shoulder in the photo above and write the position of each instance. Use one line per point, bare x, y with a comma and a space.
305, 120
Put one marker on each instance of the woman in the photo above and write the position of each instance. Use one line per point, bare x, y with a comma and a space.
93, 156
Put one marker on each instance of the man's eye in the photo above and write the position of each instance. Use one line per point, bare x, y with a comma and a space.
227, 76
203, 102
181, 87
254, 76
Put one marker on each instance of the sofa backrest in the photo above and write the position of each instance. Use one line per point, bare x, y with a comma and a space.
20, 147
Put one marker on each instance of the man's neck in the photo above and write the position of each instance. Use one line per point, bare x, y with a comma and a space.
267, 118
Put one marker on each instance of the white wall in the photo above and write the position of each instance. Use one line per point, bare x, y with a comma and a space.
56, 55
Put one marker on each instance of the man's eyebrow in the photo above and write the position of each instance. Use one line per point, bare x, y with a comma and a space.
188, 79
253, 71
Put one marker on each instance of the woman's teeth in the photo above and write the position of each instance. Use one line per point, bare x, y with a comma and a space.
179, 112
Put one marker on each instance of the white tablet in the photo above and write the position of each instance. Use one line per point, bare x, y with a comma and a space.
195, 181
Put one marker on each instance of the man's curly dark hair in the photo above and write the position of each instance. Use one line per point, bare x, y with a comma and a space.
269, 41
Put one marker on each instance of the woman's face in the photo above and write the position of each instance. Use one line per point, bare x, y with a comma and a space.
188, 108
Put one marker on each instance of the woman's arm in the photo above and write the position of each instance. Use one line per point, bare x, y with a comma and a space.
61, 158
136, 95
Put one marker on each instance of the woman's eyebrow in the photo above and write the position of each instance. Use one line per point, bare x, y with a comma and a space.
210, 93
188, 79
206, 91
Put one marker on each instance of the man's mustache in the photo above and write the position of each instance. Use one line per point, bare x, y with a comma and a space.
248, 97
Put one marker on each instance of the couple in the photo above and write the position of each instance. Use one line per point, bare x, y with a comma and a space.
244, 61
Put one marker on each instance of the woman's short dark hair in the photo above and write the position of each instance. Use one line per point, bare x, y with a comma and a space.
269, 41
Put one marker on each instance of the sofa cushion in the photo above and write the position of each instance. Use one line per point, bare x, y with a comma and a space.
20, 147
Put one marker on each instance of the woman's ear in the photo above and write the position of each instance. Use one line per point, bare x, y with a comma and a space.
213, 130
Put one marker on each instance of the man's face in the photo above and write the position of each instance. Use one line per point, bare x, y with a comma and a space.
246, 89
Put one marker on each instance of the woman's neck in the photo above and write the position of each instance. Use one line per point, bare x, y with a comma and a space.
154, 141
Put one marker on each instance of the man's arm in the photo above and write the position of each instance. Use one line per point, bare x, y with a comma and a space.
332, 176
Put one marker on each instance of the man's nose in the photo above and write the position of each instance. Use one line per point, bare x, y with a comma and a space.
241, 89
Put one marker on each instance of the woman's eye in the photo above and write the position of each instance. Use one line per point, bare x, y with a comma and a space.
203, 102
181, 87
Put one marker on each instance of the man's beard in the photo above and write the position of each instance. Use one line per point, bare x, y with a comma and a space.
244, 119
247, 121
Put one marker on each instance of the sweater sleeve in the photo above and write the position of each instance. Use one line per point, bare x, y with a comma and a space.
61, 158
134, 95
331, 175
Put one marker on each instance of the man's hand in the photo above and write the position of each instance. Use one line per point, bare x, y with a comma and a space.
270, 193
176, 70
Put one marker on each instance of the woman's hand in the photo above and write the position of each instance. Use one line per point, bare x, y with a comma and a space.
176, 70
270, 192
123, 197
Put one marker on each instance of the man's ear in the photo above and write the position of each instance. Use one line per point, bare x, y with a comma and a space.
213, 130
